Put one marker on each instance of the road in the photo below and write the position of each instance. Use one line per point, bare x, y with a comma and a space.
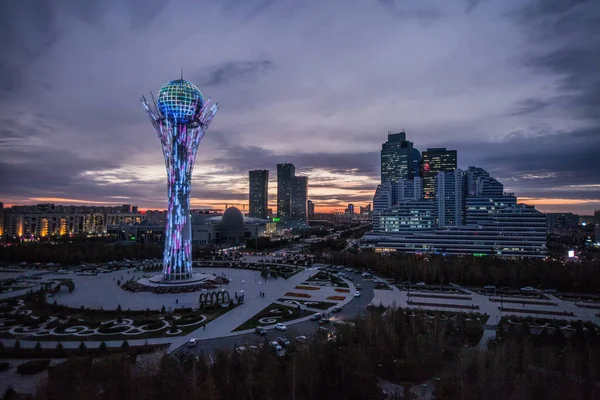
307, 328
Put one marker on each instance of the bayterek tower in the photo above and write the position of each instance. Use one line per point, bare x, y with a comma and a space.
180, 116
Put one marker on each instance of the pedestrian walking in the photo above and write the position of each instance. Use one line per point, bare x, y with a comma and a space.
204, 327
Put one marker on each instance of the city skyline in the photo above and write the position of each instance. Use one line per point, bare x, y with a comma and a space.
526, 112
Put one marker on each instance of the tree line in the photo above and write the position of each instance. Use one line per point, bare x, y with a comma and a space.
582, 276
407, 347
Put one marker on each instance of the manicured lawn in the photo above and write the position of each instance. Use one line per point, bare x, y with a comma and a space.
321, 305
285, 314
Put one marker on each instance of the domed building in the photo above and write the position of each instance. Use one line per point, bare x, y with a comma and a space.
231, 227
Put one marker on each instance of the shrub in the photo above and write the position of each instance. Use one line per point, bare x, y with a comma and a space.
102, 346
174, 327
82, 347
38, 347
4, 366
17, 345
308, 287
163, 310
125, 344
59, 346
119, 309
303, 295
33, 367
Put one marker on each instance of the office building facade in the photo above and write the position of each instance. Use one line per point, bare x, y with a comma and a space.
396, 158
285, 173
450, 198
311, 209
435, 160
299, 199
259, 193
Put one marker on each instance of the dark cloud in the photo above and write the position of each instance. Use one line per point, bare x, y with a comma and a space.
313, 83
232, 71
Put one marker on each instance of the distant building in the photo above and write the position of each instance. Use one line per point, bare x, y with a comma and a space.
450, 198
562, 220
435, 160
408, 189
299, 199
350, 209
259, 193
396, 158
383, 198
311, 209
366, 210
406, 216
516, 232
285, 173
46, 220
482, 210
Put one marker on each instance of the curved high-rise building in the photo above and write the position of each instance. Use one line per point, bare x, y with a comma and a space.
180, 117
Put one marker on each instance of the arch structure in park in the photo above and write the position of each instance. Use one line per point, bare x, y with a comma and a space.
214, 298
68, 283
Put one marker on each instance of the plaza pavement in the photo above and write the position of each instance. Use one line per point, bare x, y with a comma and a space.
102, 291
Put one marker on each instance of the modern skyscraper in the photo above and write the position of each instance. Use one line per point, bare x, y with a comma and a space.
299, 194
450, 198
350, 210
180, 117
285, 173
259, 193
396, 158
481, 184
408, 189
433, 161
311, 209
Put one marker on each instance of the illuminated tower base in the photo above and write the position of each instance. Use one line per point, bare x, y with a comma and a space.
180, 118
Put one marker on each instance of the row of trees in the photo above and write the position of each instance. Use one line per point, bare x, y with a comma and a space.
581, 276
91, 252
402, 347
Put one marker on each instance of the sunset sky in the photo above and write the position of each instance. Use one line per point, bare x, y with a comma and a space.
513, 85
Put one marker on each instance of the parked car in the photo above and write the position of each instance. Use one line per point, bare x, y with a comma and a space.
527, 289
276, 346
357, 294
490, 287
358, 287
280, 327
336, 309
260, 330
241, 349
349, 277
283, 341
301, 339
316, 317
324, 321
551, 291
192, 343
253, 348
366, 275
421, 284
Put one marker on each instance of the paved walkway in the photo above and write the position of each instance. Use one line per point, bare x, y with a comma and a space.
224, 325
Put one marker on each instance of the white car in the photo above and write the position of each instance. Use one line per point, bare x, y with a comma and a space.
357, 294
280, 327
527, 289
421, 284
276, 346
192, 343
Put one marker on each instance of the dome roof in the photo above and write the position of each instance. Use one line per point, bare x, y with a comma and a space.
233, 220
180, 101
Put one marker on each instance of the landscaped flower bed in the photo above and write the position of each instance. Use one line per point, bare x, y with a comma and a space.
307, 287
303, 295
343, 290
336, 298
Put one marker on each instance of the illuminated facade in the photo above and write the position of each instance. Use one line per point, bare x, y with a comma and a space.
433, 161
396, 158
180, 117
